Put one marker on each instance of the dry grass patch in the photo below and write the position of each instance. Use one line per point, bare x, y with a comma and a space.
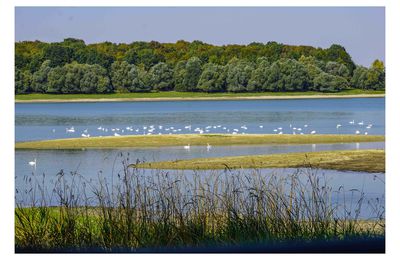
352, 160
193, 139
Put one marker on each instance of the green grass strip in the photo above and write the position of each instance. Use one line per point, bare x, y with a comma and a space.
173, 95
352, 160
113, 142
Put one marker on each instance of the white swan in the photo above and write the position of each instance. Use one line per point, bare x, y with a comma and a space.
33, 163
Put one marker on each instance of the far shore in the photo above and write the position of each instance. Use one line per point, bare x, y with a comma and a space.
146, 98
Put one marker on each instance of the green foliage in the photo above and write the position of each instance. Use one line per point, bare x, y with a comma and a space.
184, 66
122, 76
146, 57
57, 54
179, 76
192, 74
187, 74
287, 75
78, 78
369, 78
337, 69
39, 78
127, 77
259, 76
313, 66
325, 82
213, 78
238, 75
56, 80
338, 53
94, 79
160, 77
23, 81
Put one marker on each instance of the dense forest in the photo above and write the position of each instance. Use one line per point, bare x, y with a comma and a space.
72, 66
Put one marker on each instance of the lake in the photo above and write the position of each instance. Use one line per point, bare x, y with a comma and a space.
42, 121
51, 120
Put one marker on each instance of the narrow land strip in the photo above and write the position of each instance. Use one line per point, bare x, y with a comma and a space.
131, 141
190, 96
372, 161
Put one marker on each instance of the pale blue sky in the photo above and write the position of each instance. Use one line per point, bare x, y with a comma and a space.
361, 30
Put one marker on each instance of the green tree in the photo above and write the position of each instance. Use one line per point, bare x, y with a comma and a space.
287, 75
160, 77
192, 74
369, 78
337, 69
359, 77
122, 76
73, 75
212, 79
23, 81
149, 58
314, 68
139, 83
56, 80
131, 56
259, 76
339, 54
94, 79
187, 74
238, 75
325, 82
57, 54
179, 76
39, 78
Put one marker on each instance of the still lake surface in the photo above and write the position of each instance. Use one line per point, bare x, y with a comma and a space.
50, 121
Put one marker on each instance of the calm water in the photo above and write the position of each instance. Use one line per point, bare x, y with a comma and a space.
90, 162
346, 188
107, 164
50, 120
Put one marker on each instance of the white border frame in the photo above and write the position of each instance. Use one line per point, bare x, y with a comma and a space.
392, 61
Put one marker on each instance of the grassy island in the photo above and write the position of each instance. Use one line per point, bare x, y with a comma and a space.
354, 160
112, 142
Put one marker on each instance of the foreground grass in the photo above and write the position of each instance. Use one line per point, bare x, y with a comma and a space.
164, 210
192, 139
184, 95
356, 160
89, 227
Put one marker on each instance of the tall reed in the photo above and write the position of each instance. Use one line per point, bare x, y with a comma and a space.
144, 209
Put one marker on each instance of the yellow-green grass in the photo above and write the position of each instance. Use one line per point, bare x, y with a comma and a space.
350, 160
113, 142
173, 95
94, 214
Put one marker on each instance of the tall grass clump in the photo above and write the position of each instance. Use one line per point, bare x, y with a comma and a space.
139, 208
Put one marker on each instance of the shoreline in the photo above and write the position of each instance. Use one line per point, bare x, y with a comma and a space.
155, 99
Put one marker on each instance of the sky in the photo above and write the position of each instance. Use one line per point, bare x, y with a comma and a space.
361, 30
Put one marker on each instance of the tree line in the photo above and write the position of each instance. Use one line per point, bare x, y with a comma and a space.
72, 66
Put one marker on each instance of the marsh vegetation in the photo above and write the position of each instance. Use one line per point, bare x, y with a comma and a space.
226, 207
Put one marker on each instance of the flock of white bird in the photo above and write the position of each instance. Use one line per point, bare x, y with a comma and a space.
161, 130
